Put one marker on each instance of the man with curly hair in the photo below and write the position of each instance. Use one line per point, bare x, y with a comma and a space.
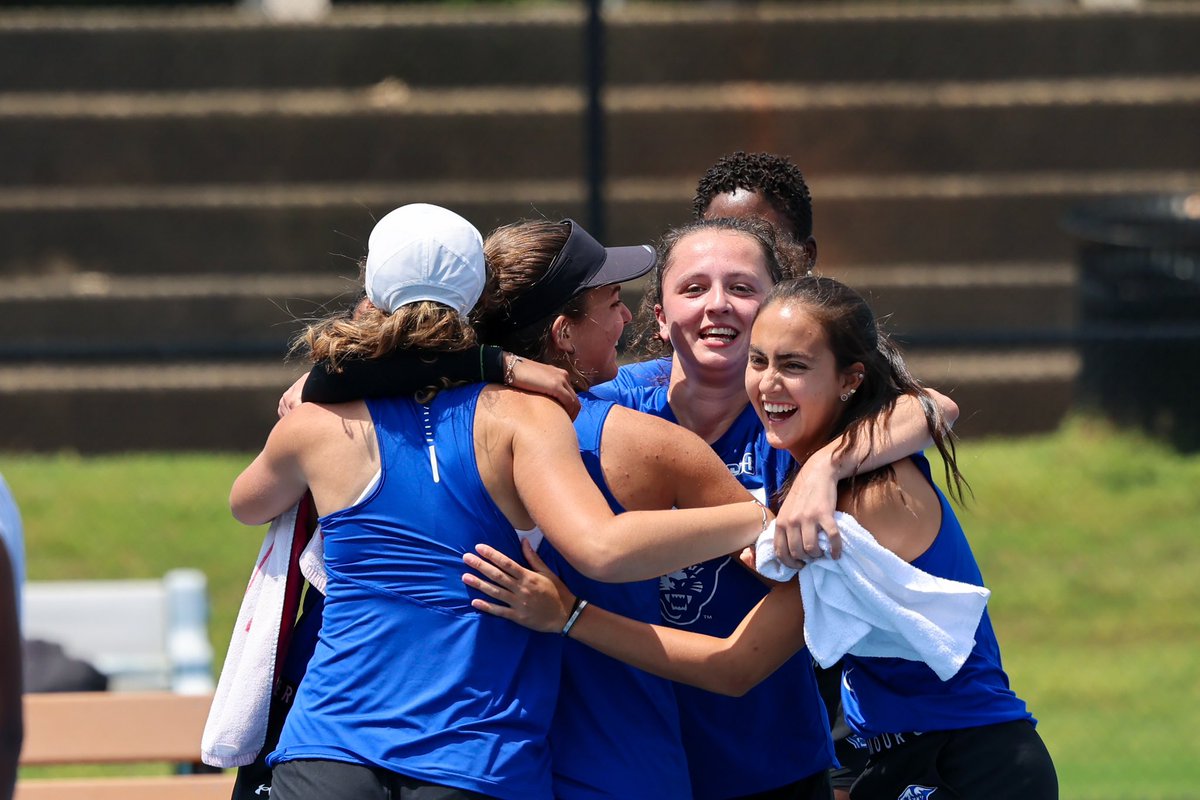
767, 186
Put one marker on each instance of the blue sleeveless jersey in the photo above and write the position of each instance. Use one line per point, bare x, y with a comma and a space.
778, 732
616, 730
892, 695
406, 675
632, 378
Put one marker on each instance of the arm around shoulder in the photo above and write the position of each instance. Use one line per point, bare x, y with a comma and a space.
948, 407
661, 465
636, 545
810, 503
274, 481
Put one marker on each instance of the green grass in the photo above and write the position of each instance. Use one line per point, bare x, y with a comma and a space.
1086, 537
136, 516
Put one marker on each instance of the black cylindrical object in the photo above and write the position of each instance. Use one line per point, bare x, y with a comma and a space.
1139, 316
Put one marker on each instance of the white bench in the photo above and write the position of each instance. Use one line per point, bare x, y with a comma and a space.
143, 634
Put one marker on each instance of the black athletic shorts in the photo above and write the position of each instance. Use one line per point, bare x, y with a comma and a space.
1006, 761
332, 780
849, 747
814, 787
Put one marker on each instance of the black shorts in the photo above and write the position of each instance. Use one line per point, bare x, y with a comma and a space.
1006, 761
329, 780
814, 787
849, 747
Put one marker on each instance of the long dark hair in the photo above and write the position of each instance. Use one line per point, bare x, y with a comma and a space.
855, 336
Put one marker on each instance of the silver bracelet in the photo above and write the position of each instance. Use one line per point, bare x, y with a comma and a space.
576, 610
763, 508
510, 364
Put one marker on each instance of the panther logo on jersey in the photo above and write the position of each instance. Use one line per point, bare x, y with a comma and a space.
915, 792
683, 594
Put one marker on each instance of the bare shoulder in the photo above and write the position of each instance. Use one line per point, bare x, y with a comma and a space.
301, 424
506, 398
314, 418
313, 432
644, 435
519, 410
651, 463
904, 516
324, 413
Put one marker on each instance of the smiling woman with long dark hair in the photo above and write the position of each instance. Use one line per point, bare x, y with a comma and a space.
820, 368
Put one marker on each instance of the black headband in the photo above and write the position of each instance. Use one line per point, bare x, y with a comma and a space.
568, 275
581, 264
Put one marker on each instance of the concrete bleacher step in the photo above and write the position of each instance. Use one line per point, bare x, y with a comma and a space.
188, 317
293, 229
196, 317
181, 188
104, 50
1008, 393
115, 407
231, 405
996, 305
991, 306
942, 219
391, 133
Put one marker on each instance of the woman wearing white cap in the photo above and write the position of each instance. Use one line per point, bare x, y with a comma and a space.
410, 689
554, 295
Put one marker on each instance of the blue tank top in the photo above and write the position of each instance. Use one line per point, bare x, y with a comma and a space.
406, 675
778, 732
616, 729
892, 695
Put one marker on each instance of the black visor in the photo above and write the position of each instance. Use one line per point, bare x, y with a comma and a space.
582, 264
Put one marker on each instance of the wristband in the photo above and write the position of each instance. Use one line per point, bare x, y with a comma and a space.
576, 610
491, 358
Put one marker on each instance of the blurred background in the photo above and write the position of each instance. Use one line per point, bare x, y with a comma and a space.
1016, 184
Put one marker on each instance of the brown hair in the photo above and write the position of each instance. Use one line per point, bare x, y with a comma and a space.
373, 333
517, 256
366, 332
855, 336
645, 338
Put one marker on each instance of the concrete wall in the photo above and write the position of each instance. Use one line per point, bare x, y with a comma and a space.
178, 189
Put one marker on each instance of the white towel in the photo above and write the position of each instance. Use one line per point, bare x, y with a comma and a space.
312, 561
237, 721
870, 602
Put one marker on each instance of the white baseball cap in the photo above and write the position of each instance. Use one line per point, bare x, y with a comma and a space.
424, 252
